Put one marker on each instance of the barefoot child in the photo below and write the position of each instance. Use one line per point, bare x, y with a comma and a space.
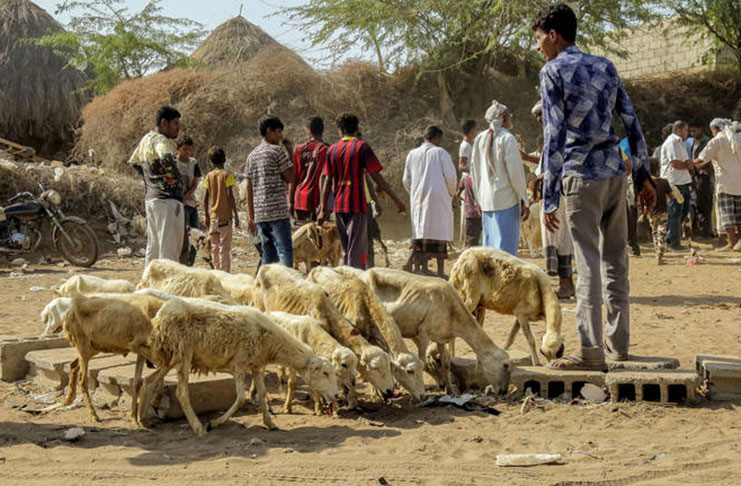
659, 217
220, 206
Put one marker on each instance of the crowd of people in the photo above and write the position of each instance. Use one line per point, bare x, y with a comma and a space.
592, 189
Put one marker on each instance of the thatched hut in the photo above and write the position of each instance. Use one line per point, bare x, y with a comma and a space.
40, 97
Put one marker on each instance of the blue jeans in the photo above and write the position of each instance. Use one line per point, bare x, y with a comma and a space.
276, 242
677, 214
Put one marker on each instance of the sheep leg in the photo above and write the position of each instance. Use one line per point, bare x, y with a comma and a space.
445, 359
480, 314
291, 387
512, 334
282, 379
262, 398
184, 396
155, 380
137, 387
85, 392
74, 374
525, 325
239, 385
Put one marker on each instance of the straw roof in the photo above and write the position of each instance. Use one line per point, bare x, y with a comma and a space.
39, 97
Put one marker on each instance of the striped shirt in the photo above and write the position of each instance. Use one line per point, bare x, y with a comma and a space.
264, 167
347, 161
308, 164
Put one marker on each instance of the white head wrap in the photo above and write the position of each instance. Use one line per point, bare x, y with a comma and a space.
537, 108
495, 116
728, 128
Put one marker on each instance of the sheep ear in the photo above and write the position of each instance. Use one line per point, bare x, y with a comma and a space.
336, 359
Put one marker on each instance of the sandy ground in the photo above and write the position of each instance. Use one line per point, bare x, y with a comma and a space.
677, 310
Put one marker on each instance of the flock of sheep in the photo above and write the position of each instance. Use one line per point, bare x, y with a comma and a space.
326, 327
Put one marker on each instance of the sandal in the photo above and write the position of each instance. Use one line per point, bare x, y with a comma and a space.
575, 363
612, 355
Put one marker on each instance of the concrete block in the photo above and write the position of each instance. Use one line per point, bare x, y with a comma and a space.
13, 350
722, 374
51, 367
550, 383
652, 386
644, 363
208, 393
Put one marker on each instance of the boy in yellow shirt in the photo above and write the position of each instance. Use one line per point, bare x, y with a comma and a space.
220, 206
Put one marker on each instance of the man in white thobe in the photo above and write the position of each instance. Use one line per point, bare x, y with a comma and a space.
430, 179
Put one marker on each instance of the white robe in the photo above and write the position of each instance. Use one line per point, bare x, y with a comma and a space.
431, 181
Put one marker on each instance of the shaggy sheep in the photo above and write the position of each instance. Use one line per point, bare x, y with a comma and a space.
308, 330
240, 286
183, 281
530, 231
53, 314
108, 325
366, 313
428, 309
87, 284
466, 374
206, 336
314, 243
284, 289
492, 279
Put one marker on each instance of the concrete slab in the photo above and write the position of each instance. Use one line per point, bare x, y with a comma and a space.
644, 363
13, 350
653, 386
46, 367
721, 374
550, 383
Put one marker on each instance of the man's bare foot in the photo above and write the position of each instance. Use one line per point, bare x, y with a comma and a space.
576, 363
728, 247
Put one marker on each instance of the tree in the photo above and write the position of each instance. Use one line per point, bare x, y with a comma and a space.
720, 19
117, 45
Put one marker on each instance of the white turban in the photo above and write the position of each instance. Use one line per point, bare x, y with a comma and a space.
495, 116
537, 108
728, 128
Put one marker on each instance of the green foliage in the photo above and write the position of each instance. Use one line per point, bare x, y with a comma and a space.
720, 19
115, 44
444, 34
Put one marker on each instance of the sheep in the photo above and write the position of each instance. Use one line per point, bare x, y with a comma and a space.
530, 231
366, 313
240, 286
87, 284
283, 289
308, 330
183, 281
492, 279
206, 336
429, 309
466, 374
108, 325
53, 314
315, 243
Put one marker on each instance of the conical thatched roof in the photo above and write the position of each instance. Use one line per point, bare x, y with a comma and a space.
39, 98
236, 41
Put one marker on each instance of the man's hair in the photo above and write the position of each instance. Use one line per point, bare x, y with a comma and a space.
655, 166
467, 126
348, 123
217, 156
184, 140
270, 123
167, 113
558, 17
315, 124
678, 125
433, 132
666, 131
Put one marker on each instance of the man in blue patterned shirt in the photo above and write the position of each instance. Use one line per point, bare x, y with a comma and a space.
582, 161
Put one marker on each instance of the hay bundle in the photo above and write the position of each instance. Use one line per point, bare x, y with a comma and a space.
40, 98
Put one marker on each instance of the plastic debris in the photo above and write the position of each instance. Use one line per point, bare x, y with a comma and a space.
18, 262
593, 393
36, 289
74, 434
526, 460
58, 174
464, 402
124, 252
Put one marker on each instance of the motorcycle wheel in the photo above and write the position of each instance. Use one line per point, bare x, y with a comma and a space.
84, 248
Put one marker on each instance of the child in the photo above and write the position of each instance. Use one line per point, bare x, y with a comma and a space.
659, 218
191, 176
471, 210
219, 207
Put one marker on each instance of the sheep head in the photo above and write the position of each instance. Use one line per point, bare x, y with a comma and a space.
495, 365
552, 346
375, 366
408, 370
345, 363
320, 376
54, 314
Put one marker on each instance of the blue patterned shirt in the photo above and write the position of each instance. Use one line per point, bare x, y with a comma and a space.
580, 93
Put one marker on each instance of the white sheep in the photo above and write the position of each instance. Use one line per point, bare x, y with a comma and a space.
366, 313
309, 331
530, 231
240, 286
119, 325
183, 281
88, 284
279, 288
53, 314
428, 309
492, 279
315, 243
206, 336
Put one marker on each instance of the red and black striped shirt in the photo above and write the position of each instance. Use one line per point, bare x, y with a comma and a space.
308, 164
347, 161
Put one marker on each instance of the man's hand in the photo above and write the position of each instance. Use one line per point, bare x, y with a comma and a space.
252, 227
646, 199
524, 211
401, 207
551, 222
288, 145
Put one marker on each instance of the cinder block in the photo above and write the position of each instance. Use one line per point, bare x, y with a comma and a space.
46, 367
722, 374
13, 350
208, 393
550, 383
658, 386
644, 363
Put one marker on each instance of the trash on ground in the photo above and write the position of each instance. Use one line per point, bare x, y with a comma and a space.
124, 252
73, 434
593, 393
36, 289
464, 402
524, 460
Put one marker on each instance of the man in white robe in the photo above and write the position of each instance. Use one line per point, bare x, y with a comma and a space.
430, 178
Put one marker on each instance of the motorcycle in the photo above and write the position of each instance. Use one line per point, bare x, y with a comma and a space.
20, 228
